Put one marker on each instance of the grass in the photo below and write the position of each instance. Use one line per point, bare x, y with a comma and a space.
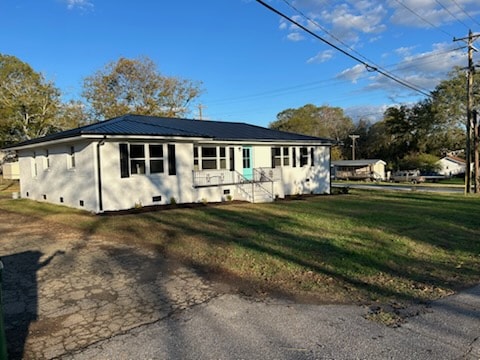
357, 248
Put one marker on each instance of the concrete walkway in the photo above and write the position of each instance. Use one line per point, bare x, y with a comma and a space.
68, 295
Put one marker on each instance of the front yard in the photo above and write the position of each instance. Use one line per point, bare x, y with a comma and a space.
357, 248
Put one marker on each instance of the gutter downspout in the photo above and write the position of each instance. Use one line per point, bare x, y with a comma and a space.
99, 174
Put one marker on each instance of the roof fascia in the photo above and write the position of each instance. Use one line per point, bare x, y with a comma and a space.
267, 142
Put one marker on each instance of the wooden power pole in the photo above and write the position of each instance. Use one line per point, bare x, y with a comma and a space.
470, 117
353, 137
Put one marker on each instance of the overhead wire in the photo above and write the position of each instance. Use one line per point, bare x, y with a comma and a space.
465, 12
342, 42
424, 19
451, 14
368, 67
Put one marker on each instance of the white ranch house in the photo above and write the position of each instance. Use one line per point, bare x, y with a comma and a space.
134, 160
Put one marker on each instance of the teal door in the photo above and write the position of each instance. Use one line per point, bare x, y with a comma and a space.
247, 163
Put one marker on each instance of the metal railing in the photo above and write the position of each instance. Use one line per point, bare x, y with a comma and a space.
261, 176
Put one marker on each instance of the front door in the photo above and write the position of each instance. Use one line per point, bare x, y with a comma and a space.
247, 163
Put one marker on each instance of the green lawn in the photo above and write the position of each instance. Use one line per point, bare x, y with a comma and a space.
361, 247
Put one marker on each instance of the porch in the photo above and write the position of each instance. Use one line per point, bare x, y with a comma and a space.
258, 188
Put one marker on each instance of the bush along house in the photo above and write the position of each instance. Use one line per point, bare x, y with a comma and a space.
134, 161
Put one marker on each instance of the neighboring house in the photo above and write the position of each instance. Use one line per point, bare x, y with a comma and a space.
368, 169
11, 171
134, 160
451, 165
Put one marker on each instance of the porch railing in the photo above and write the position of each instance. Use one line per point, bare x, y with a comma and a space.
261, 184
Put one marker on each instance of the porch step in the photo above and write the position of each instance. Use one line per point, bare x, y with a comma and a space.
259, 194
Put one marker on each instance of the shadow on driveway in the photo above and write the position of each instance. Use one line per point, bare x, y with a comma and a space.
20, 297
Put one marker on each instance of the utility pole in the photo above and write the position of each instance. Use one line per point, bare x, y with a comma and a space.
200, 108
470, 119
353, 137
475, 152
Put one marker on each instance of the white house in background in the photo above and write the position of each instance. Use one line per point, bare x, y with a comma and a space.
367, 169
134, 160
451, 165
11, 171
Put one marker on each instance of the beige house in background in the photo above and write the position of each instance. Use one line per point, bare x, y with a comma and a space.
11, 171
367, 169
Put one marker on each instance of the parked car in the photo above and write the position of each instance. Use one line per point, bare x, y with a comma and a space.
412, 176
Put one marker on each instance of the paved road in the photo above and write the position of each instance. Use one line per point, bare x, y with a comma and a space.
229, 327
70, 295
437, 189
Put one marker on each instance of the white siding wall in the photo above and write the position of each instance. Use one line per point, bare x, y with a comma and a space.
79, 184
59, 183
139, 190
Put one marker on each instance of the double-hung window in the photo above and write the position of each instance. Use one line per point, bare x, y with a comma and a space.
303, 156
286, 156
156, 159
137, 159
209, 157
276, 156
146, 159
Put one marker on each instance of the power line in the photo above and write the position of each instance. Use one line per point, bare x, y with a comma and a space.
368, 67
463, 10
347, 46
451, 14
424, 19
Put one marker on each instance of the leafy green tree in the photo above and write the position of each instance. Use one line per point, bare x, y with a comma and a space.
73, 114
136, 86
424, 162
321, 121
28, 103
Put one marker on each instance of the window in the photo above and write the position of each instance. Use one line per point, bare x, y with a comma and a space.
294, 157
223, 158
72, 157
246, 158
156, 159
209, 158
276, 156
141, 159
137, 159
286, 156
195, 158
303, 156
312, 156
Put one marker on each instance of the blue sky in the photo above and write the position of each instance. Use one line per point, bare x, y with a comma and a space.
252, 64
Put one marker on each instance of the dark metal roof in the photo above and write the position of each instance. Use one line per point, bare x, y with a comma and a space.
140, 125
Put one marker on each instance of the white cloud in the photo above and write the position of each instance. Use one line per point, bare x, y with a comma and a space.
372, 113
79, 4
425, 13
321, 57
352, 74
295, 36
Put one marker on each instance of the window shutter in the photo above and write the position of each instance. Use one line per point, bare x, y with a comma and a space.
172, 168
232, 159
124, 173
